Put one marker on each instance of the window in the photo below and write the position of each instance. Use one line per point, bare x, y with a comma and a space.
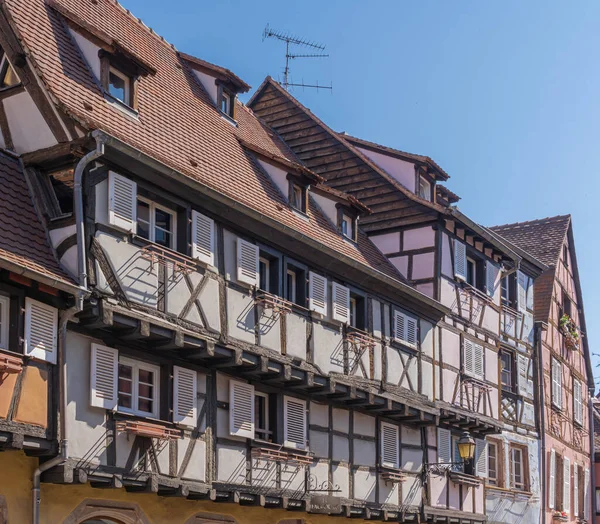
597, 501
4, 321
138, 387
508, 286
357, 311
566, 255
353, 310
473, 359
261, 417
263, 273
290, 285
295, 285
348, 227
8, 77
517, 468
471, 272
424, 189
297, 197
405, 329
155, 223
494, 462
556, 384
577, 402
566, 304
507, 371
226, 103
119, 85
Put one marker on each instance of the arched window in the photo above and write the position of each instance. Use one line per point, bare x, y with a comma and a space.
92, 511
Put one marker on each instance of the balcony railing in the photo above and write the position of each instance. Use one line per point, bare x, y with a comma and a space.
147, 429
163, 256
278, 305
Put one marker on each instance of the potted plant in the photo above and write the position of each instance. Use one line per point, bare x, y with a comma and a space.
560, 516
567, 326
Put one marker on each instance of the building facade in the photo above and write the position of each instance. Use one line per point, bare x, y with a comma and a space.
233, 313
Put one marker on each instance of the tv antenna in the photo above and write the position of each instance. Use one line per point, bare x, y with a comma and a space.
289, 39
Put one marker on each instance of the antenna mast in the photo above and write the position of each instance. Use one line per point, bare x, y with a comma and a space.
289, 39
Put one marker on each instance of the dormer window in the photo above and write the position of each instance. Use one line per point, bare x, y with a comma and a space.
424, 188
8, 77
119, 85
297, 197
226, 101
348, 226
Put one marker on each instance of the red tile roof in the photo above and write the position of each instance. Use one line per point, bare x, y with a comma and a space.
178, 123
23, 240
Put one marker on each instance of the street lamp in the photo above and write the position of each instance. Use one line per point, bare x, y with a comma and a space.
466, 450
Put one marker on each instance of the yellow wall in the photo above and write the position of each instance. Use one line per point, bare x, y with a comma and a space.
58, 501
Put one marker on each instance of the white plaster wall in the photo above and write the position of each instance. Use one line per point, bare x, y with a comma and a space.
402, 171
231, 464
327, 348
450, 350
364, 424
69, 261
60, 234
296, 335
240, 315
401, 264
448, 295
376, 318
269, 329
387, 243
89, 51
279, 177
447, 263
319, 443
328, 207
426, 289
319, 414
208, 82
423, 266
28, 127
102, 202
364, 485
418, 238
341, 477
427, 379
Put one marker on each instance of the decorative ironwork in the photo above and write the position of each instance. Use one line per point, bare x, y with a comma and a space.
278, 305
314, 486
441, 468
156, 254
357, 344
10, 364
146, 429
470, 393
278, 455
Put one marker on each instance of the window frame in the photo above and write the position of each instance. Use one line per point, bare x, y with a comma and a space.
128, 81
266, 431
524, 470
496, 480
5, 319
302, 206
153, 206
291, 292
581, 404
512, 372
558, 363
300, 294
136, 365
266, 263
429, 185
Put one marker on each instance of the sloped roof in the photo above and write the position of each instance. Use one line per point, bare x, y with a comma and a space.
23, 240
178, 124
541, 238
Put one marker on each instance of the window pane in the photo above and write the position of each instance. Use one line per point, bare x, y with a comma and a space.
147, 377
291, 286
145, 405
164, 238
163, 220
263, 270
125, 386
143, 219
117, 87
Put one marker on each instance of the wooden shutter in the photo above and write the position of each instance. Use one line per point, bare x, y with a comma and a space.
41, 330
575, 490
185, 392
122, 202
104, 376
203, 238
294, 423
247, 262
552, 480
478, 360
444, 445
530, 292
577, 402
241, 409
468, 357
586, 494
524, 383
460, 260
317, 293
557, 383
405, 329
567, 485
340, 299
390, 452
528, 413
481, 458
491, 276
521, 291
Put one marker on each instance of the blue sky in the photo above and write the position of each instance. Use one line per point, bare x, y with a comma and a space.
503, 95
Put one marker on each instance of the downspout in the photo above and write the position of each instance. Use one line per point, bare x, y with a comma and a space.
592, 486
79, 216
541, 326
65, 317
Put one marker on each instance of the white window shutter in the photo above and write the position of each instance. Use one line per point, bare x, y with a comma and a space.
185, 392
481, 458
460, 260
41, 330
491, 278
524, 383
405, 329
521, 291
247, 262
468, 357
577, 402
478, 361
444, 450
390, 452
586, 494
340, 300
241, 409
575, 490
528, 414
203, 238
552, 480
294, 423
317, 291
104, 377
122, 202
567, 485
530, 294
557, 383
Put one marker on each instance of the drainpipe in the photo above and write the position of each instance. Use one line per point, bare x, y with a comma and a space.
79, 216
592, 486
65, 317
541, 327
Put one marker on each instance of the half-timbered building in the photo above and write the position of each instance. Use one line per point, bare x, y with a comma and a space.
565, 378
484, 349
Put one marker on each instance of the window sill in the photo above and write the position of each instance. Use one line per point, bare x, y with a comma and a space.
228, 119
121, 106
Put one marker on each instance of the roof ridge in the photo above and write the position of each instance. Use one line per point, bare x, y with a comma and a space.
529, 222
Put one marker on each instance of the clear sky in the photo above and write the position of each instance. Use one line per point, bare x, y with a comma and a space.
504, 95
